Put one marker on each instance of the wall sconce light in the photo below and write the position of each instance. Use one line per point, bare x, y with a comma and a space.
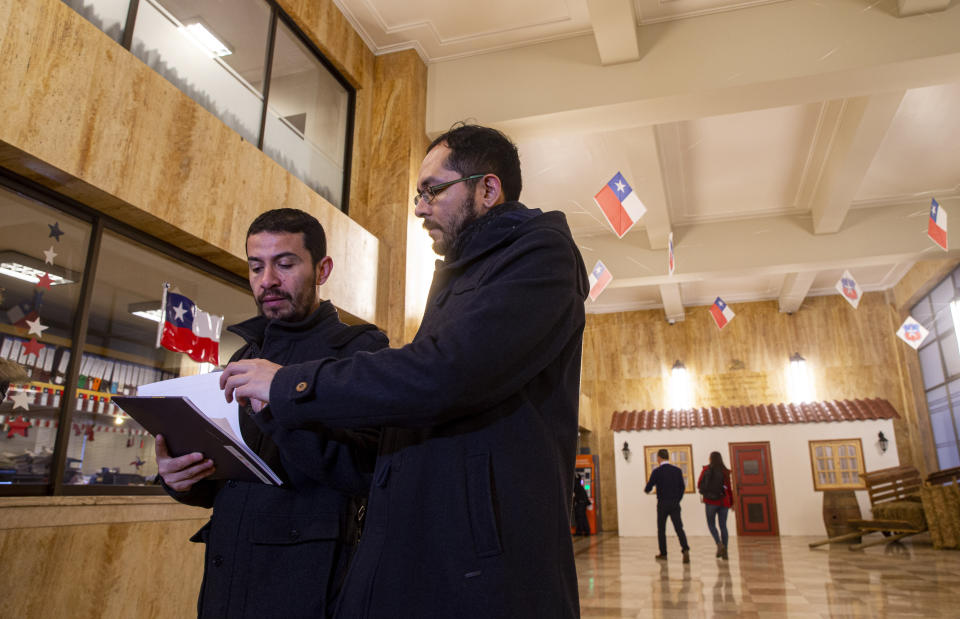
800, 386
883, 442
626, 451
680, 390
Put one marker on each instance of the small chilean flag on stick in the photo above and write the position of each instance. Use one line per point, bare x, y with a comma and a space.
599, 278
620, 204
188, 329
722, 314
937, 226
671, 260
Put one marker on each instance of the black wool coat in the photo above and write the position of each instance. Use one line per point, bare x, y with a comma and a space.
283, 551
469, 507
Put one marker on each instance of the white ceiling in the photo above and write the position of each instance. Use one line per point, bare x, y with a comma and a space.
781, 142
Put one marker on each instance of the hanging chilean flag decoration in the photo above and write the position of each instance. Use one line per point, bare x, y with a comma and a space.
850, 289
671, 260
912, 332
599, 278
188, 329
937, 226
620, 204
721, 312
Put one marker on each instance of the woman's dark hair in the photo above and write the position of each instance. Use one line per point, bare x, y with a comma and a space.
482, 150
716, 461
293, 220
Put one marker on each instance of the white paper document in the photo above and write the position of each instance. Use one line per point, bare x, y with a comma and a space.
204, 392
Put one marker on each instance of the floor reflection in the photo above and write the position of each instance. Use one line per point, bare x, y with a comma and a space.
766, 577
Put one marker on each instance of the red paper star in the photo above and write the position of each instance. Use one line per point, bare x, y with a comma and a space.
45, 281
18, 426
33, 347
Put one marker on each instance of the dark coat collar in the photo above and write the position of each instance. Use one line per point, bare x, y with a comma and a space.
253, 330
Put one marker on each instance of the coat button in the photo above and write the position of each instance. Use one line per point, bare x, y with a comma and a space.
217, 561
294, 534
232, 483
301, 386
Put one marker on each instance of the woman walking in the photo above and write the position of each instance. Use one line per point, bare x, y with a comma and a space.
716, 488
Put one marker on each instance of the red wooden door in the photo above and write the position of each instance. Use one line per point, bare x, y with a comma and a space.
753, 489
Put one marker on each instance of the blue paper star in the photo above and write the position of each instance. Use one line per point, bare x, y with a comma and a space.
55, 230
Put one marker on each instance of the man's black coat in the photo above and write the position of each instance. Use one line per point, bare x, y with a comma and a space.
283, 551
468, 513
669, 482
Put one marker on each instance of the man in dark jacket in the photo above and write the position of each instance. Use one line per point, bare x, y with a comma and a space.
668, 480
283, 551
470, 502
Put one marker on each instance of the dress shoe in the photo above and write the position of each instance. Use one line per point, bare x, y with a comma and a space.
661, 557
723, 552
686, 556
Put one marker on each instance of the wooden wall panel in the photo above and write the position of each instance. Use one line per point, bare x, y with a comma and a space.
852, 354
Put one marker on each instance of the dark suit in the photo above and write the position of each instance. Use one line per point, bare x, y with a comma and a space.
670, 488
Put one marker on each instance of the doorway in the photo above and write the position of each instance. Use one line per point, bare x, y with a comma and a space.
756, 500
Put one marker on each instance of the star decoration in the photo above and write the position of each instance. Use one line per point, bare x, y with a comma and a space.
620, 186
18, 426
179, 310
49, 255
45, 281
55, 230
33, 347
36, 328
21, 400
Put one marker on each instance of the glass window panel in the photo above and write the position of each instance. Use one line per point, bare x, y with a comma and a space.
845, 478
751, 467
930, 365
819, 452
942, 428
940, 299
922, 313
110, 16
229, 86
948, 457
36, 242
951, 354
106, 446
307, 113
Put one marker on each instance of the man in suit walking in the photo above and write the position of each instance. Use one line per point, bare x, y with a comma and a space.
670, 488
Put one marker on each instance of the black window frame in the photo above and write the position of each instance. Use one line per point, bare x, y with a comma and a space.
99, 223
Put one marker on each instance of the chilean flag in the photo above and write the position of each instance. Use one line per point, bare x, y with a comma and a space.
721, 312
912, 332
671, 261
620, 204
188, 329
937, 226
599, 278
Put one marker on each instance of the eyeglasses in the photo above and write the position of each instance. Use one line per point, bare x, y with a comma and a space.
431, 193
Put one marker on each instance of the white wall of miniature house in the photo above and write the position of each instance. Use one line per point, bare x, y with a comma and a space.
799, 506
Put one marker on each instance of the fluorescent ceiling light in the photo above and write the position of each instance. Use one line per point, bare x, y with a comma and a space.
150, 310
208, 42
30, 274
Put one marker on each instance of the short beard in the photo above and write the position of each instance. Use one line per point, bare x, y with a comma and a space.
300, 308
465, 216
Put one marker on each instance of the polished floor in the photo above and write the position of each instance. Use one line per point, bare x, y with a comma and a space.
766, 577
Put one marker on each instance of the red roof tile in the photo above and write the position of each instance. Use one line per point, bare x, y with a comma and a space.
754, 415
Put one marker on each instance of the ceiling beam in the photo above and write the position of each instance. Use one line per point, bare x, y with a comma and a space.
614, 30
787, 53
906, 8
779, 245
672, 303
848, 134
794, 290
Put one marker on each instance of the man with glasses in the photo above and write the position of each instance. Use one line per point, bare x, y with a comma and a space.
470, 502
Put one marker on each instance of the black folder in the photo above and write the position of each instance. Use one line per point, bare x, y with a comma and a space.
186, 430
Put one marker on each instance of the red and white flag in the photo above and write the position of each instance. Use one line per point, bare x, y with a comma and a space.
620, 204
937, 225
188, 329
671, 260
599, 278
849, 289
912, 332
721, 312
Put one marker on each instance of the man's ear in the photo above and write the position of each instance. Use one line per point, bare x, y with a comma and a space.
323, 270
492, 191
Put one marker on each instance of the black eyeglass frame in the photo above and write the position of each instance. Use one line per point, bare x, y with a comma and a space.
432, 192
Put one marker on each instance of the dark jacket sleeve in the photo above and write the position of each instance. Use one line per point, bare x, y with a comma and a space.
344, 459
652, 481
525, 313
201, 494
